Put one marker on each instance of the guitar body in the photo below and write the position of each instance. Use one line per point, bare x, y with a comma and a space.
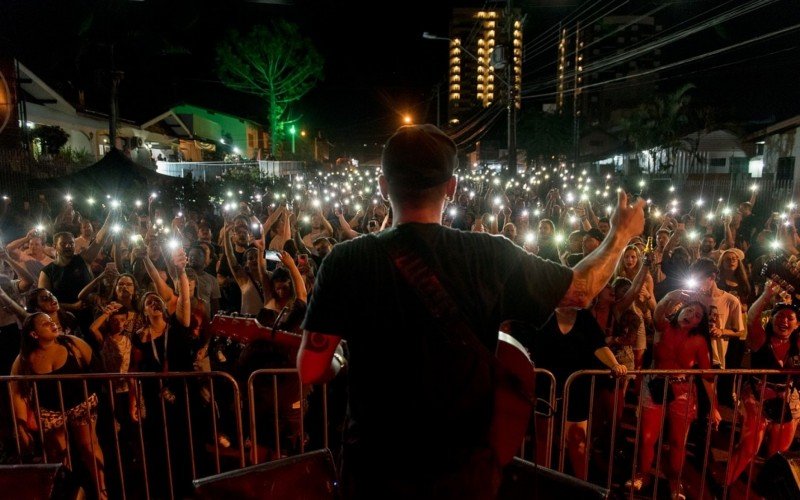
514, 398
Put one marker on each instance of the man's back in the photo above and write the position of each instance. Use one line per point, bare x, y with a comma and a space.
434, 391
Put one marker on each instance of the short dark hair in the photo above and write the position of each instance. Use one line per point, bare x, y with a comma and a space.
61, 234
417, 158
703, 268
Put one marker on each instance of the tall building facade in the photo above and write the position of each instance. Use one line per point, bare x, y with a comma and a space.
482, 43
601, 70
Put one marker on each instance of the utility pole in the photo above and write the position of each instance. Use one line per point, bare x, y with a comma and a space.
511, 92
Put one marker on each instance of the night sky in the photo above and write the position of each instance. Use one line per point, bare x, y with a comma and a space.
377, 66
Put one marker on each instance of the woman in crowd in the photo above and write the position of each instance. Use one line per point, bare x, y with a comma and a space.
628, 267
682, 342
773, 348
285, 295
162, 346
572, 340
246, 275
42, 300
68, 413
733, 277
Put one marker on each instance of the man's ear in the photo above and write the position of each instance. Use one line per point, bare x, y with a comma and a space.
452, 187
384, 187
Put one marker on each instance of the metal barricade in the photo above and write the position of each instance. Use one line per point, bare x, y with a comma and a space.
156, 449
283, 382
749, 389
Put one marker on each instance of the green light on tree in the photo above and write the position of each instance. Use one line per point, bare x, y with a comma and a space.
274, 63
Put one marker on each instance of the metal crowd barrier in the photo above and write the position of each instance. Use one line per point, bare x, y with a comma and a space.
278, 376
171, 399
739, 378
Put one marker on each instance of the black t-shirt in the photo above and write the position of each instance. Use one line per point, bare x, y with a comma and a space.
566, 353
67, 282
415, 395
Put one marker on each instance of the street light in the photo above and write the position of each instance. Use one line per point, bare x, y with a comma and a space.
511, 98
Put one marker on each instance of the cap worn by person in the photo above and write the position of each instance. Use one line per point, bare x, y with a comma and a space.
419, 157
739, 253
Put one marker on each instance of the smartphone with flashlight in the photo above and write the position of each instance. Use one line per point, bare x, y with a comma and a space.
272, 255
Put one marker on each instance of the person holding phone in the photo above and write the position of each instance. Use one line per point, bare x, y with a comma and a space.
285, 295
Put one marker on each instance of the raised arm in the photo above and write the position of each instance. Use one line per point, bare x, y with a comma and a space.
12, 306
297, 279
755, 329
592, 273
184, 309
270, 221
164, 291
239, 274
94, 248
89, 288
633, 292
346, 229
26, 279
16, 245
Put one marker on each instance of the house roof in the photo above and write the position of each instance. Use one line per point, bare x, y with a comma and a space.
40, 92
775, 128
172, 122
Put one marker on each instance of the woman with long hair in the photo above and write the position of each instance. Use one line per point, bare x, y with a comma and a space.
776, 346
629, 265
733, 277
42, 300
246, 275
163, 346
68, 410
682, 342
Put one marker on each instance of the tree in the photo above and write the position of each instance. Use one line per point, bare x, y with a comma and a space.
657, 127
274, 63
52, 138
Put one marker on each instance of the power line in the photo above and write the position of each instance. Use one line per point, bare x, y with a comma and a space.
684, 61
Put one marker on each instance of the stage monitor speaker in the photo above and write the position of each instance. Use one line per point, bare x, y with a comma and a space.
309, 476
523, 480
33, 481
780, 477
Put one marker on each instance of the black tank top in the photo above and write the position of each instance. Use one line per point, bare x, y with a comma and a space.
72, 389
764, 358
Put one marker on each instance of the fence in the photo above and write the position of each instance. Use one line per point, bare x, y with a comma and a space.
210, 170
188, 416
748, 394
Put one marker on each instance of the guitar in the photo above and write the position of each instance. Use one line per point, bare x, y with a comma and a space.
514, 397
784, 271
246, 329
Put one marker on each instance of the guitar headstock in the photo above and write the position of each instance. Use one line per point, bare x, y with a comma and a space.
784, 271
245, 329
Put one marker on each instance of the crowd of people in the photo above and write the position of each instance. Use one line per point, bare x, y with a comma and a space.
133, 285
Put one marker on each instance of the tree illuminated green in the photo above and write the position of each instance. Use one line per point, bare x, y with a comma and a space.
275, 63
